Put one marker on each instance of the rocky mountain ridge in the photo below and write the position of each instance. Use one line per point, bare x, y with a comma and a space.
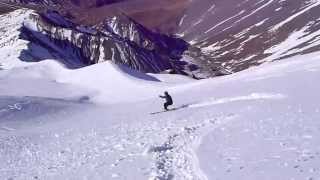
225, 36
119, 39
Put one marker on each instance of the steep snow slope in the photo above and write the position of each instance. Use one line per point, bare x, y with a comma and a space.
98, 82
262, 123
276, 135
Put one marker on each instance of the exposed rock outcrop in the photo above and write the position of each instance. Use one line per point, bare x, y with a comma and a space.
119, 39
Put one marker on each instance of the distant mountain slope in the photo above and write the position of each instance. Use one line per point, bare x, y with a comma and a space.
240, 34
160, 16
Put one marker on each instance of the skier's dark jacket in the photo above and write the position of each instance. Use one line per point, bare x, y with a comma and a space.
168, 98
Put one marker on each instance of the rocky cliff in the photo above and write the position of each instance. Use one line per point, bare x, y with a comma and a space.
118, 39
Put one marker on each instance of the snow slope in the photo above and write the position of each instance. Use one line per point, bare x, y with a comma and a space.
261, 123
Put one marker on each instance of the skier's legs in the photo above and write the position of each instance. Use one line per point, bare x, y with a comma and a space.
165, 105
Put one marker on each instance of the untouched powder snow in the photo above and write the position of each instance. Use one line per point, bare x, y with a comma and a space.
97, 123
276, 135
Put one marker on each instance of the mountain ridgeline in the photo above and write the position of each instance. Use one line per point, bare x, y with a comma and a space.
223, 36
119, 39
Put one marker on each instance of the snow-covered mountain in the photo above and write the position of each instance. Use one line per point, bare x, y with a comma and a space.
241, 34
118, 39
227, 36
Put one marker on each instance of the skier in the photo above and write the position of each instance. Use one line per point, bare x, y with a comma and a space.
168, 100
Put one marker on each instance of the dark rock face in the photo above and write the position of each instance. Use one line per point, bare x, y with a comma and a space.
132, 31
4, 10
34, 2
119, 39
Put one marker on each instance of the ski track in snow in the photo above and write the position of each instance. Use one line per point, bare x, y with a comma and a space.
253, 96
175, 158
71, 150
48, 138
